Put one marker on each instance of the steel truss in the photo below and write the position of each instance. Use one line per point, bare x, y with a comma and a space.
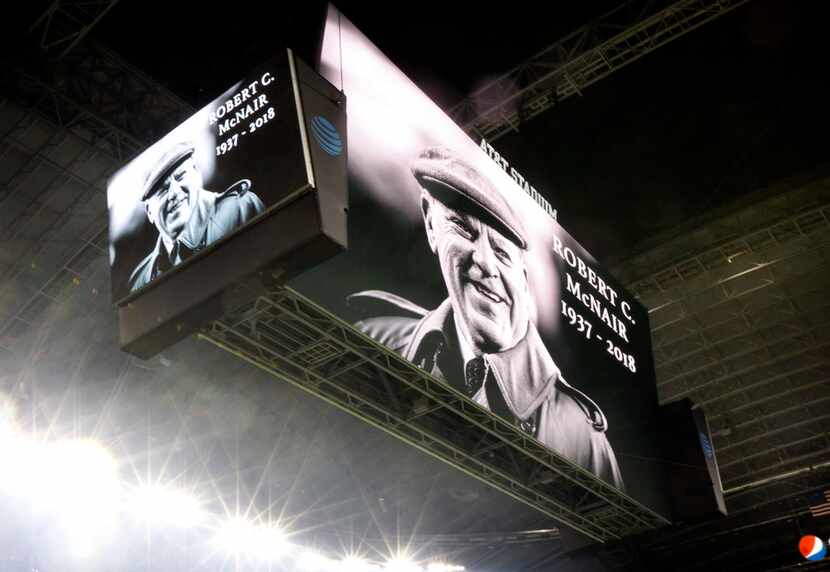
54, 240
292, 338
471, 540
67, 22
112, 109
580, 59
740, 323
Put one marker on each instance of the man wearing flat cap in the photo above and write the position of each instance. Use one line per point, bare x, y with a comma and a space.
481, 339
187, 216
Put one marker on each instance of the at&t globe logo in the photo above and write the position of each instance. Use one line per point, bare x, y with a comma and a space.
326, 135
812, 547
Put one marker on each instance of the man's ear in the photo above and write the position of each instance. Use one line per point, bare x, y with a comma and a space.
428, 212
148, 213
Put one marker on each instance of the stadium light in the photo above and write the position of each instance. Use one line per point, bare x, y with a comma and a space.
401, 564
7, 416
17, 455
442, 567
313, 562
356, 564
75, 483
233, 535
270, 543
242, 537
76, 474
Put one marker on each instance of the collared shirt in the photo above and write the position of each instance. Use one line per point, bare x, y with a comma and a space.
214, 216
531, 390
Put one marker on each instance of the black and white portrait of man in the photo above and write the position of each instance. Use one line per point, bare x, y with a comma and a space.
481, 338
186, 216
457, 264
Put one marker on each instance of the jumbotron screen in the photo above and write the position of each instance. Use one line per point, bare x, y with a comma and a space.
251, 186
456, 267
220, 170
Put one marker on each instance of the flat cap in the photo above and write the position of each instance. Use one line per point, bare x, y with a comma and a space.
168, 161
447, 176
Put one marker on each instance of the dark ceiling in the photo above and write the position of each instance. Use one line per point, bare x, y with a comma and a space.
717, 114
708, 119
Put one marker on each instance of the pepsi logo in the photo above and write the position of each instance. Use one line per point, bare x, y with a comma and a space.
812, 547
326, 135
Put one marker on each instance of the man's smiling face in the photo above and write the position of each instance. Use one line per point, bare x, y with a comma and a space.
485, 276
171, 205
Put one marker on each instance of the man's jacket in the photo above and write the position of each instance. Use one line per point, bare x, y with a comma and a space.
214, 216
531, 391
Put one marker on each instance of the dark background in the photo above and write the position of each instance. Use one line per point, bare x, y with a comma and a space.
726, 110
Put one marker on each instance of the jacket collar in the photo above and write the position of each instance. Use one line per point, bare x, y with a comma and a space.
525, 373
194, 234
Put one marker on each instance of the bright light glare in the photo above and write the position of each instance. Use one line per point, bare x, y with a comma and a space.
312, 562
10, 441
240, 536
401, 564
18, 457
158, 505
76, 476
234, 534
356, 564
7, 416
442, 567
75, 483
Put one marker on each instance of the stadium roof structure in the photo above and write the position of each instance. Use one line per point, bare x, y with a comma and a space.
739, 318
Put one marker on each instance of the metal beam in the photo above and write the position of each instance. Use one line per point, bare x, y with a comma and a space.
80, 119
294, 339
823, 381
822, 455
107, 104
771, 432
786, 358
67, 22
767, 347
784, 312
720, 286
578, 60
797, 369
721, 256
772, 450
781, 478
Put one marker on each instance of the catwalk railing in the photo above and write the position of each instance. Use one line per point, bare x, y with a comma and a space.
294, 339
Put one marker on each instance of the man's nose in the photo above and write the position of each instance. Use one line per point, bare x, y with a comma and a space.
484, 257
176, 190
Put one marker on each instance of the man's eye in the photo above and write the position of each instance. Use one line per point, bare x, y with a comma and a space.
461, 225
502, 255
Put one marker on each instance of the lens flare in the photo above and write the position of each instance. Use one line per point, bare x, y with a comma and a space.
164, 506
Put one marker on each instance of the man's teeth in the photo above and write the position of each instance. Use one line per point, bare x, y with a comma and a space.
487, 293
